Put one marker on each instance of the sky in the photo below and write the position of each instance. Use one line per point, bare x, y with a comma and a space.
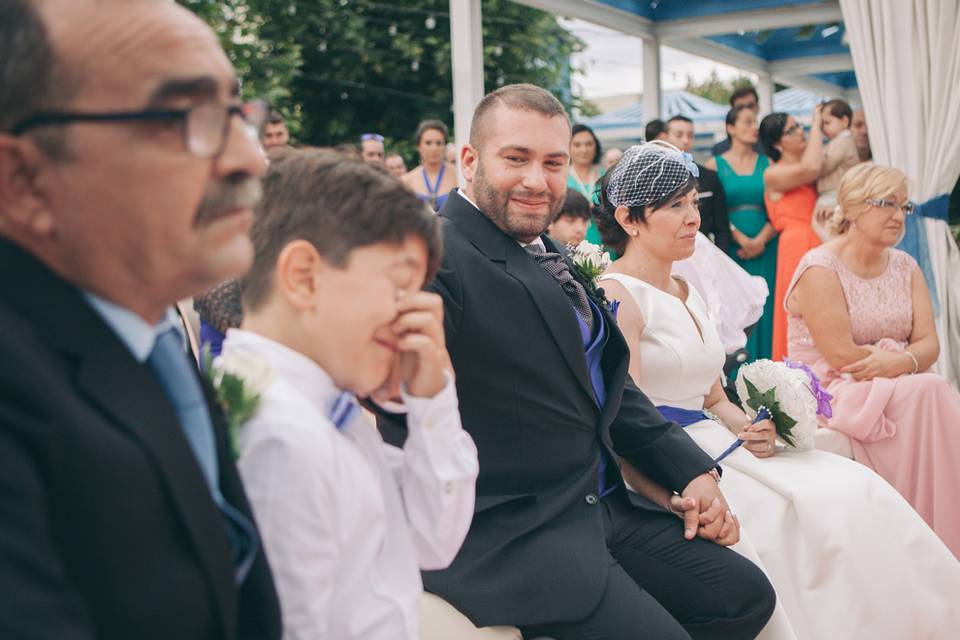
613, 63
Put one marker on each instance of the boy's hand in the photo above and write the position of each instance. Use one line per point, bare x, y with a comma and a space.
422, 353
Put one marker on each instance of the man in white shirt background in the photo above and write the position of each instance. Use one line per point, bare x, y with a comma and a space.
333, 307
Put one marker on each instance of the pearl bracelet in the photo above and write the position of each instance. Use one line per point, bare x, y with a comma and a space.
916, 365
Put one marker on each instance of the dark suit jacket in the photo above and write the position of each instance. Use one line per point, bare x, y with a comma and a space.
107, 526
714, 220
536, 550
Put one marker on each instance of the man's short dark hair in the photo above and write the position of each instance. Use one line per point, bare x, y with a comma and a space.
653, 129
677, 118
522, 97
575, 206
743, 92
275, 117
336, 205
32, 79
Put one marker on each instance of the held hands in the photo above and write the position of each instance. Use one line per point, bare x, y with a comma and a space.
879, 363
705, 512
422, 356
750, 248
760, 438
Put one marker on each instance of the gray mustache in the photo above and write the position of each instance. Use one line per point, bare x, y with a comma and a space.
226, 195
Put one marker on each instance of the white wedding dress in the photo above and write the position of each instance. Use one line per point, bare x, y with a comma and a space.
848, 556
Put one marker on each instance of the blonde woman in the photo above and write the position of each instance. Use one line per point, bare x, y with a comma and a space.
860, 315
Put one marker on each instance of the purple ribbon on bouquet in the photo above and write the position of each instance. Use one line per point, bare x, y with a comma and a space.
762, 415
823, 398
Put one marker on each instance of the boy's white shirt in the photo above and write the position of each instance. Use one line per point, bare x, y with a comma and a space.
348, 521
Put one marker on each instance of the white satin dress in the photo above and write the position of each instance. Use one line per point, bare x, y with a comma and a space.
848, 556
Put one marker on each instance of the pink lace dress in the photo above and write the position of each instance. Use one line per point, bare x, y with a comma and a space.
907, 429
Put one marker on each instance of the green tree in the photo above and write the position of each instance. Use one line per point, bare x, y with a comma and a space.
713, 88
340, 68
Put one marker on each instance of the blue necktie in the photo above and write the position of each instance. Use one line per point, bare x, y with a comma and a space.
176, 376
345, 408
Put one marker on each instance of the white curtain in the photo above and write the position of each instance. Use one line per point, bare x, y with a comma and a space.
907, 59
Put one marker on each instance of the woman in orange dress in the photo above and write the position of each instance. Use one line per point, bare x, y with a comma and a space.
790, 197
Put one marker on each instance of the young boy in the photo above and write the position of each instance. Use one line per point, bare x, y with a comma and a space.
333, 309
570, 225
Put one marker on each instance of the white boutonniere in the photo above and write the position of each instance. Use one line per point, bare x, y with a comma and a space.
239, 379
589, 262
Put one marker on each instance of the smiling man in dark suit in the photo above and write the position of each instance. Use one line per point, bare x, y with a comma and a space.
127, 180
556, 546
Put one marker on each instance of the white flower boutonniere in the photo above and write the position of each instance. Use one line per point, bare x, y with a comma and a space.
589, 259
589, 262
238, 379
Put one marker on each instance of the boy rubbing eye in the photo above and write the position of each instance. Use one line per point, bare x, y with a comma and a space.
334, 308
570, 225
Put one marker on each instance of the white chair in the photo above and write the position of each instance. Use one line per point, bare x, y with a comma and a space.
439, 620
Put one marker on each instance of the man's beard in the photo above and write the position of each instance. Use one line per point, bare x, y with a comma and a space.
496, 206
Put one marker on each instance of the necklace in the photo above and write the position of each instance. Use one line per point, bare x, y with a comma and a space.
433, 190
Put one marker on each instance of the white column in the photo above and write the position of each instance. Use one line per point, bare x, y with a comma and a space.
466, 45
765, 89
651, 79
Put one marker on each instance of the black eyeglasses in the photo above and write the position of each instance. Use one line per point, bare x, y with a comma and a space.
789, 131
204, 130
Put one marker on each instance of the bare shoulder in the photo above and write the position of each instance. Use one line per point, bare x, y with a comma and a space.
630, 314
409, 177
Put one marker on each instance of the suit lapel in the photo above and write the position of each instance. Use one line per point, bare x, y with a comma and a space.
614, 364
131, 399
550, 300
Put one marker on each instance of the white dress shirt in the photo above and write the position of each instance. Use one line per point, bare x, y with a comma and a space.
347, 520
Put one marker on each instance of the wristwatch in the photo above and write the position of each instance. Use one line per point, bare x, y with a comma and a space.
715, 474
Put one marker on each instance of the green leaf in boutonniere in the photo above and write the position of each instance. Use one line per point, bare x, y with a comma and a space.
589, 262
238, 379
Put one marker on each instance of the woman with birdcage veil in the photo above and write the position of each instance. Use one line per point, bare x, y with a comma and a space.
821, 526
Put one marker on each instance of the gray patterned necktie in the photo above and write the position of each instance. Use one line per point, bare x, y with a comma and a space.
556, 266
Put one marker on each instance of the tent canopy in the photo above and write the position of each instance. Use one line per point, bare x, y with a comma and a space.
799, 43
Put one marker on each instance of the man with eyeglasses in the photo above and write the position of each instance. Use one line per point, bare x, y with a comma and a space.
371, 148
128, 173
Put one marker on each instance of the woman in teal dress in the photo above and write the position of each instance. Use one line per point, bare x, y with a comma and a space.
585, 170
755, 240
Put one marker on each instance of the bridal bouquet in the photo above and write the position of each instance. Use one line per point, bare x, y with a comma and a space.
238, 379
787, 393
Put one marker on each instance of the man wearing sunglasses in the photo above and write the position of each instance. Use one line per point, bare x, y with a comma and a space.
371, 148
128, 173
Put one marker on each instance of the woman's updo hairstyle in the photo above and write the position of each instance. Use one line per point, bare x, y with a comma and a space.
771, 130
648, 176
865, 181
428, 125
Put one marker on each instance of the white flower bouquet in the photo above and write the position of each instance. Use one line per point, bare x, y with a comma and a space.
787, 393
